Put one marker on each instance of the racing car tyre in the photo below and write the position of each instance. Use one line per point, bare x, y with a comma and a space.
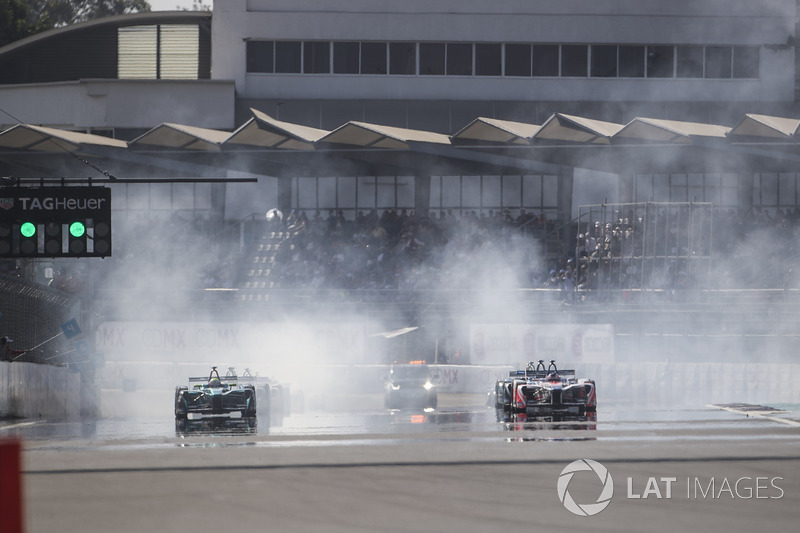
432, 405
250, 412
180, 414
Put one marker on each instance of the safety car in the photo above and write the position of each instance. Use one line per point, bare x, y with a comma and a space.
409, 386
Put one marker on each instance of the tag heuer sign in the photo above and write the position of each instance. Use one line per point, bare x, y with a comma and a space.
56, 201
40, 222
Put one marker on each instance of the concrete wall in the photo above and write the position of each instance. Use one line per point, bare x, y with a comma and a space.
29, 390
141, 104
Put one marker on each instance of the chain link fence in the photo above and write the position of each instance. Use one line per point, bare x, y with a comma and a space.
644, 246
31, 316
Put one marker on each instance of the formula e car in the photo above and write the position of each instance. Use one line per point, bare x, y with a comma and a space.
214, 395
540, 391
274, 398
408, 386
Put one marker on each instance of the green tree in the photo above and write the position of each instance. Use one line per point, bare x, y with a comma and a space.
63, 12
21, 18
17, 23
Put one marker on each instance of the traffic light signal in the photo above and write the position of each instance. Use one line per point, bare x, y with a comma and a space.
101, 237
55, 222
53, 238
77, 238
6, 238
29, 238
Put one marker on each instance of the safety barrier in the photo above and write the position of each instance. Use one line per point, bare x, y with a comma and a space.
29, 390
684, 384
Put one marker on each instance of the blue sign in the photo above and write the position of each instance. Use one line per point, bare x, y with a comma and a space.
71, 328
82, 347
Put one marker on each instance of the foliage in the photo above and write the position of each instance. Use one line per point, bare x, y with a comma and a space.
21, 18
63, 12
16, 23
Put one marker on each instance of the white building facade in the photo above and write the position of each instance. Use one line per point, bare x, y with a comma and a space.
436, 64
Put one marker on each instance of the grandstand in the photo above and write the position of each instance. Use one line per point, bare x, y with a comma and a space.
680, 136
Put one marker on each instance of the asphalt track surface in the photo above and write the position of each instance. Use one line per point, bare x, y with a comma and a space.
453, 469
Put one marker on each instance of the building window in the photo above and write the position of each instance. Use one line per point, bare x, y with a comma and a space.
745, 61
718, 61
179, 51
604, 61
166, 51
574, 62
545, 60
350, 194
534, 193
346, 58
287, 57
689, 62
431, 59
138, 46
373, 58
774, 191
259, 56
142, 56
402, 58
631, 61
660, 61
316, 57
720, 189
459, 59
488, 60
518, 60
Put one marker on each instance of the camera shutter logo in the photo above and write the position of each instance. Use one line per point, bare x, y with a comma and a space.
587, 509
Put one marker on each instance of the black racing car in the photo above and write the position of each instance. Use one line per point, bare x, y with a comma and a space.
215, 395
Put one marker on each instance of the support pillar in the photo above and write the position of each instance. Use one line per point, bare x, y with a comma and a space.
422, 195
285, 194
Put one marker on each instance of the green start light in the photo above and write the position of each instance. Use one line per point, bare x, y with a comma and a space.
77, 229
28, 229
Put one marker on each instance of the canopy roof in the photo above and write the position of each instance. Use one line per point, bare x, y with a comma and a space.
42, 139
263, 131
485, 146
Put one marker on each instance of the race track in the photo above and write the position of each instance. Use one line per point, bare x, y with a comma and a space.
453, 469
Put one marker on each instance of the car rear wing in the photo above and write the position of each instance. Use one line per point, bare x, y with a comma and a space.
205, 379
540, 374
538, 370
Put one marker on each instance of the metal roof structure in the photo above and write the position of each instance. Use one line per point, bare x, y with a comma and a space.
272, 147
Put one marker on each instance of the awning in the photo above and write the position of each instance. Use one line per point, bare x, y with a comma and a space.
569, 128
180, 137
484, 129
263, 131
765, 127
668, 131
376, 136
485, 146
43, 139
